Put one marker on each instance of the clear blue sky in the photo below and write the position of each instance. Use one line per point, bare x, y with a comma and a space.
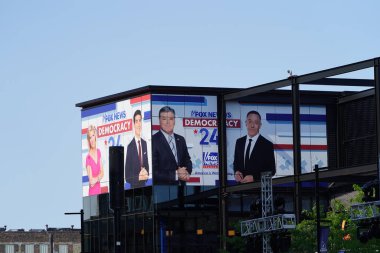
54, 54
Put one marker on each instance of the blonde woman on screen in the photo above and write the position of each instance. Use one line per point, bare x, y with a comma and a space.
94, 164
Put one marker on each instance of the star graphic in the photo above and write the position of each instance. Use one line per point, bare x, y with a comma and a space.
195, 131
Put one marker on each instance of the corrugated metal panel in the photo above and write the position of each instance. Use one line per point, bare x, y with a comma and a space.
358, 132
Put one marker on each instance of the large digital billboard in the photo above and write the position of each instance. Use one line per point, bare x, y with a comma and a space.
185, 140
126, 123
276, 130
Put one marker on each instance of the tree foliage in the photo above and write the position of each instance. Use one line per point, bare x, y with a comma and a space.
304, 236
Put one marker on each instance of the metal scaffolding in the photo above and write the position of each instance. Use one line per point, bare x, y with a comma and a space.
365, 211
266, 206
268, 223
266, 194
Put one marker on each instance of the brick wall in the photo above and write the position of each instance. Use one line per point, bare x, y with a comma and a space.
71, 238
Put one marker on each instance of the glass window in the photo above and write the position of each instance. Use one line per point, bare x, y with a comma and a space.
128, 201
77, 248
129, 233
147, 199
44, 248
9, 248
148, 232
104, 204
29, 248
111, 246
87, 208
62, 248
139, 233
104, 235
95, 236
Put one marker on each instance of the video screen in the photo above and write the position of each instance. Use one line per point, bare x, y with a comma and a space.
126, 123
269, 126
185, 140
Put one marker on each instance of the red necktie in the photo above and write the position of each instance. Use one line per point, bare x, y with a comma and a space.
140, 154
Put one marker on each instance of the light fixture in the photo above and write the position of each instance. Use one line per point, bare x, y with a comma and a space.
169, 232
231, 232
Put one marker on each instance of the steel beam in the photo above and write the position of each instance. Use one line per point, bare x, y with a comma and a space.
328, 173
258, 89
356, 96
377, 96
343, 82
222, 172
303, 79
335, 71
296, 147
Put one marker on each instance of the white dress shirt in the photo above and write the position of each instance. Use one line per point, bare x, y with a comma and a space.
254, 139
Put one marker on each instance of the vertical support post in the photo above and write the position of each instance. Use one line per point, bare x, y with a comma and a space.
338, 136
81, 230
222, 170
81, 213
117, 218
116, 162
266, 206
51, 241
377, 101
316, 170
296, 147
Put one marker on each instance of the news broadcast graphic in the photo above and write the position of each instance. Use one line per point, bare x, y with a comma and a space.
195, 120
276, 126
113, 125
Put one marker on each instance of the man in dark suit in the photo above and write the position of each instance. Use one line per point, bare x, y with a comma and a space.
253, 153
136, 161
171, 160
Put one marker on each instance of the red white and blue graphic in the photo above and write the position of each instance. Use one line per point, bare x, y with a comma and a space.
210, 160
277, 127
114, 127
196, 120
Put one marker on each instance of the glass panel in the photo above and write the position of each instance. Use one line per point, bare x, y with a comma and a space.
29, 248
139, 233
110, 235
62, 248
95, 236
9, 248
103, 235
44, 248
148, 233
129, 233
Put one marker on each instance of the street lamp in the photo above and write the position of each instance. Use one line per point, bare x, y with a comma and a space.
81, 227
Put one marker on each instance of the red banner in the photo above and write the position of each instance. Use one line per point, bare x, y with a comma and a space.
115, 128
199, 122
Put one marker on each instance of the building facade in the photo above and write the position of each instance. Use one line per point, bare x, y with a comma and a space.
161, 212
40, 241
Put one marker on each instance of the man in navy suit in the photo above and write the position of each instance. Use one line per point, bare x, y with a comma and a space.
136, 161
253, 153
171, 160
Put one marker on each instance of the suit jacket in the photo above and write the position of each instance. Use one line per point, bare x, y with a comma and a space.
261, 159
132, 163
163, 160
